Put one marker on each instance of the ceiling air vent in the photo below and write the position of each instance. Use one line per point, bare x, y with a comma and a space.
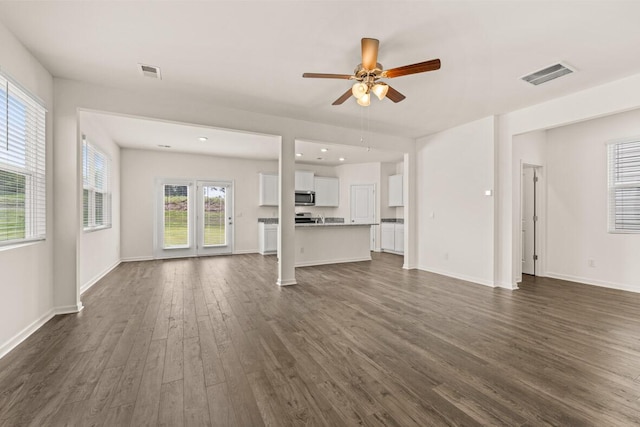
547, 74
150, 71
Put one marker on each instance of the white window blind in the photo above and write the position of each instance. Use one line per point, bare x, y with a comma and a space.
96, 184
22, 165
624, 187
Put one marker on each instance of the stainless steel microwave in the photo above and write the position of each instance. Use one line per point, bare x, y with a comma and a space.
305, 198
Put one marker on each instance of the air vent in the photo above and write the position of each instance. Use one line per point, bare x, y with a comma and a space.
547, 74
150, 71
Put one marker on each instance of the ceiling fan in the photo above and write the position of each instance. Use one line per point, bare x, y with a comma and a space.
368, 73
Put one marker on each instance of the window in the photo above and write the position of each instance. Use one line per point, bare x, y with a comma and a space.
22, 165
624, 187
96, 185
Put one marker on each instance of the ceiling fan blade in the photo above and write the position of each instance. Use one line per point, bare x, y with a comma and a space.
420, 67
343, 98
369, 53
394, 95
327, 76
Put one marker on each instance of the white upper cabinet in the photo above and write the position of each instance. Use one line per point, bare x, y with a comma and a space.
327, 191
269, 189
304, 181
395, 191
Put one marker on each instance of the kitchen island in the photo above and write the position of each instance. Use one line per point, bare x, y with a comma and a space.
332, 243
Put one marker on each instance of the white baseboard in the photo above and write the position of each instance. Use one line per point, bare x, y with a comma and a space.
137, 258
25, 333
246, 251
458, 276
592, 282
286, 282
68, 309
332, 261
97, 278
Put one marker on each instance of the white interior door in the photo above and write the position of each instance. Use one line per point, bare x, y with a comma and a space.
194, 218
363, 207
528, 221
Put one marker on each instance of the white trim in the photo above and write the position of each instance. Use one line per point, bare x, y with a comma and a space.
137, 258
389, 251
68, 309
247, 251
331, 261
99, 276
458, 276
286, 282
18, 338
592, 282
25, 333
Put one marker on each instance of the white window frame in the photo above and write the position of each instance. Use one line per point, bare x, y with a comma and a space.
29, 144
614, 184
90, 154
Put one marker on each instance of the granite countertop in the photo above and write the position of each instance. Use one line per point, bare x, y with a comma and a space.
397, 220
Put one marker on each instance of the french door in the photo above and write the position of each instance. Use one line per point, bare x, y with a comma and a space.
194, 218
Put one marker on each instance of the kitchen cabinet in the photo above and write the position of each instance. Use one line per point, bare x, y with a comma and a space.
327, 191
304, 181
395, 191
267, 238
392, 237
269, 194
398, 242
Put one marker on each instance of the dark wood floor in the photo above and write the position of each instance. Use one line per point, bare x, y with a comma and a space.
213, 341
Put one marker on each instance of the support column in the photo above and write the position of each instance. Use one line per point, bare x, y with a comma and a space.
286, 212
410, 211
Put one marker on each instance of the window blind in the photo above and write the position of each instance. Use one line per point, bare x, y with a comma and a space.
96, 182
22, 165
624, 187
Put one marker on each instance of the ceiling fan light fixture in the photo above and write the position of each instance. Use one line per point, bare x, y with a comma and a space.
380, 89
359, 89
364, 100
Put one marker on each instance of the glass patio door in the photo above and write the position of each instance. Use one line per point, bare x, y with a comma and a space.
215, 219
194, 218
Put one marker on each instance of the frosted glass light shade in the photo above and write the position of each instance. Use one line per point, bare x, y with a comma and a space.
359, 90
380, 89
364, 100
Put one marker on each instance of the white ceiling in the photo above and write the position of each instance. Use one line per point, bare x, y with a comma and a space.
251, 55
147, 134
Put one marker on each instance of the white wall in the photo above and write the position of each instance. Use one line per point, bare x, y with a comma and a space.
100, 249
140, 168
454, 168
577, 205
26, 272
354, 174
614, 97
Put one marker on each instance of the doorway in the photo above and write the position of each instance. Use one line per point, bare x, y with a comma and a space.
194, 218
363, 207
530, 219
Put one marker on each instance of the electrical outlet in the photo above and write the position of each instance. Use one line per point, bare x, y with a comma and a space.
591, 263
446, 255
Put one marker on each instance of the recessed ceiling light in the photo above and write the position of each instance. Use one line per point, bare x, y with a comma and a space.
298, 154
324, 150
203, 138
164, 146
341, 159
